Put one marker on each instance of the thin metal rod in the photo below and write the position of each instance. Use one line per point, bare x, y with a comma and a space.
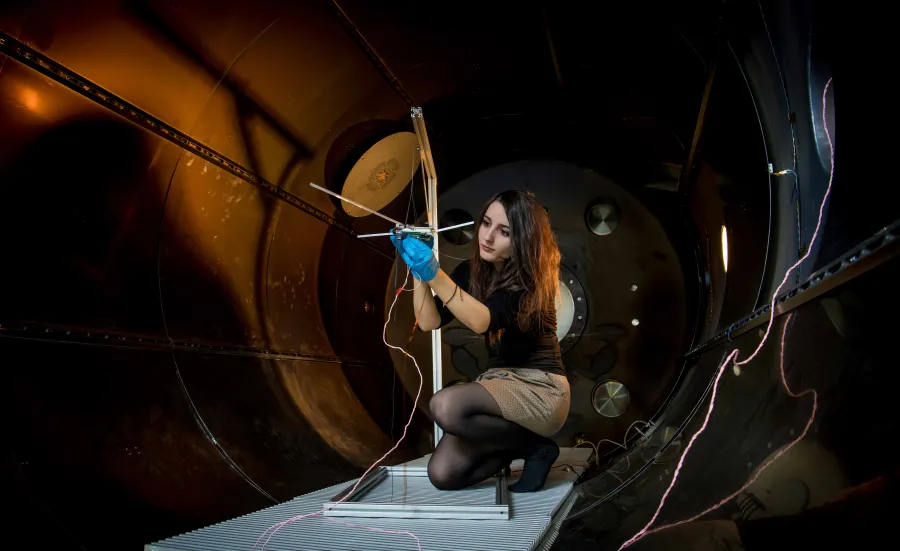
425, 181
687, 169
376, 60
417, 230
355, 204
552, 48
422, 134
386, 234
456, 226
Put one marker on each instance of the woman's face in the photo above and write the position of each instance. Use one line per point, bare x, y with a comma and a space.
493, 235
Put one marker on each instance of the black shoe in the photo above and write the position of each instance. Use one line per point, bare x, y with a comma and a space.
537, 467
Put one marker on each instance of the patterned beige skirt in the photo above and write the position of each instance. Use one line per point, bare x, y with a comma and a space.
535, 399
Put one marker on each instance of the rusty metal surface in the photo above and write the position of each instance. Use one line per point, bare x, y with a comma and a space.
247, 404
85, 222
119, 230
166, 57
255, 120
112, 428
49, 67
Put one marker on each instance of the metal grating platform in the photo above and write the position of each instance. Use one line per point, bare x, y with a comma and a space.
530, 519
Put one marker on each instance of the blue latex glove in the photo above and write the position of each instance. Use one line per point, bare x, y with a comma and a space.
398, 242
418, 255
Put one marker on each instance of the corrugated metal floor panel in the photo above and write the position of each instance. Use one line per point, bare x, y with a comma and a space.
530, 517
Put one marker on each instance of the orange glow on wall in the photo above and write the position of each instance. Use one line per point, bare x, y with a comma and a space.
30, 99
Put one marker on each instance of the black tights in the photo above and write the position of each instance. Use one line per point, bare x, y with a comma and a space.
478, 442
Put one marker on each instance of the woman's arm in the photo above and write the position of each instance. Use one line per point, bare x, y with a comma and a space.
424, 307
418, 255
469, 311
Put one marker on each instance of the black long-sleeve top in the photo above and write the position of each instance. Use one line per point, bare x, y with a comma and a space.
535, 349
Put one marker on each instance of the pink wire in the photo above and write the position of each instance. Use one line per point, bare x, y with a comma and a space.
645, 530
380, 530
815, 233
772, 459
712, 401
278, 526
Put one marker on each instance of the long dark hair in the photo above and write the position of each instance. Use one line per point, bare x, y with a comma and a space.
533, 264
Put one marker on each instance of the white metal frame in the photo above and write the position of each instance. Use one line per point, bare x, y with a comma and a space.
346, 503
430, 184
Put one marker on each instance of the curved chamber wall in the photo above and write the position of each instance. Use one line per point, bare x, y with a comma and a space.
778, 463
117, 234
183, 348
120, 232
802, 452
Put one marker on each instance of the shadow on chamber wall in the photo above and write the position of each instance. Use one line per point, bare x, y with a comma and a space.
102, 446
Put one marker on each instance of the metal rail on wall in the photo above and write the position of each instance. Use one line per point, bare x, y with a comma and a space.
94, 336
39, 62
878, 249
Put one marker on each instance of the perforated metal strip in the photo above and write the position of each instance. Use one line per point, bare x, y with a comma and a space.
98, 336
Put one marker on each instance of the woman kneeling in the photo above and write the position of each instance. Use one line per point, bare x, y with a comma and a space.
507, 290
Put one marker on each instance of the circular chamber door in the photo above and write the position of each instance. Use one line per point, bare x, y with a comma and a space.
571, 310
565, 310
